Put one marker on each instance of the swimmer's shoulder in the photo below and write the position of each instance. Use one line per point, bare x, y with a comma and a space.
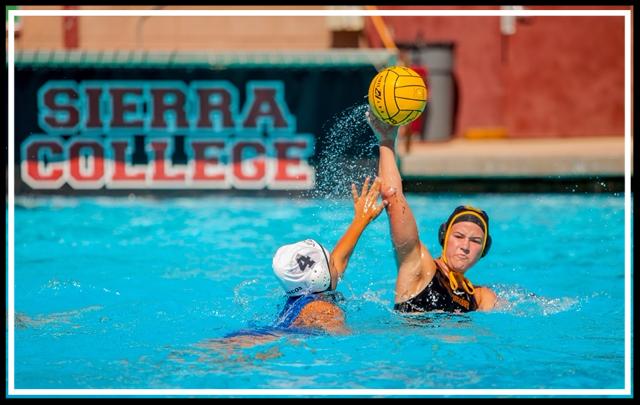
321, 314
485, 298
320, 309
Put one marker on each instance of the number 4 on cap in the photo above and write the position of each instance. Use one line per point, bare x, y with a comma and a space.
304, 262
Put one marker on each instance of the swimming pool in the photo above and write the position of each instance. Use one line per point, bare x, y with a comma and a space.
126, 293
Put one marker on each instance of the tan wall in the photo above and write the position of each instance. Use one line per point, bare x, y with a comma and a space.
179, 33
40, 33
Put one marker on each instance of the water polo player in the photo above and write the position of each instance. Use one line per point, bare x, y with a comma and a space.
424, 283
309, 273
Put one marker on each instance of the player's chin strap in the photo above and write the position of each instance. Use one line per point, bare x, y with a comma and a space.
456, 279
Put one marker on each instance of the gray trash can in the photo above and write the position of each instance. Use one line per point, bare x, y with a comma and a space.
441, 107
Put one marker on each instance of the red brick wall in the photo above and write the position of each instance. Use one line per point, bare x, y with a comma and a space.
566, 77
555, 77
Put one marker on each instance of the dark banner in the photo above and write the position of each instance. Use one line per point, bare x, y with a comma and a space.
108, 130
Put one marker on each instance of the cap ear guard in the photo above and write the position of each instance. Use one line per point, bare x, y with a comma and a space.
441, 232
487, 245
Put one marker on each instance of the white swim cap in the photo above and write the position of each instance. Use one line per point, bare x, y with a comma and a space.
302, 267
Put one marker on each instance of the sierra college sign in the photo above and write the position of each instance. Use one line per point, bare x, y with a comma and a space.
90, 129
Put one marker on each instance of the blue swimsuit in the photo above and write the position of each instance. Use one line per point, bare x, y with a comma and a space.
288, 315
293, 307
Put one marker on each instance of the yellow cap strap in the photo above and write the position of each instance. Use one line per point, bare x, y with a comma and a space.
466, 284
453, 283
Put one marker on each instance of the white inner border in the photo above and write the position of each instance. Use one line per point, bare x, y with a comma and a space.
12, 391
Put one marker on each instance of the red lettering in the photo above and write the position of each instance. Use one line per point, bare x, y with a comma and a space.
44, 164
36, 169
265, 105
285, 162
89, 168
73, 115
119, 108
160, 164
161, 106
242, 166
116, 105
203, 162
86, 171
207, 107
94, 119
120, 164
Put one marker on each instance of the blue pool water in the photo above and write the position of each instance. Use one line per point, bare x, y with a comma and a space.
129, 293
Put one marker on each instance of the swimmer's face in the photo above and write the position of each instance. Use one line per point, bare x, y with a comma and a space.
464, 246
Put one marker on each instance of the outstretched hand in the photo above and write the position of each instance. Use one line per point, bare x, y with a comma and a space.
381, 129
364, 203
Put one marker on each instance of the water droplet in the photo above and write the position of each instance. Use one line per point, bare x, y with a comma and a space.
342, 161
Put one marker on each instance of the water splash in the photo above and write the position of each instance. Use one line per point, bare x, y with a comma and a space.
375, 297
518, 301
241, 299
342, 161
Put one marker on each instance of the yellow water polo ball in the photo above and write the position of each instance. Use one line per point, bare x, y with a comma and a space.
397, 95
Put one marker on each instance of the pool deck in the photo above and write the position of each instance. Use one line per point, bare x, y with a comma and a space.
509, 158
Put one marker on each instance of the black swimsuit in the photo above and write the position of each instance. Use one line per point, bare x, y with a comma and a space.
437, 295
